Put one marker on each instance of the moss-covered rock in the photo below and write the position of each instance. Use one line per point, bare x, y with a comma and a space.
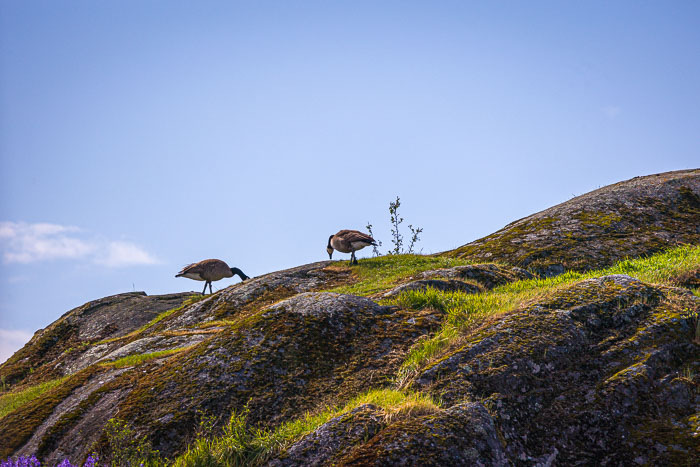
302, 354
58, 349
637, 217
584, 375
464, 434
473, 278
487, 276
599, 372
334, 439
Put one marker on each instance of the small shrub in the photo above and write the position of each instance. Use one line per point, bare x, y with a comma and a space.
127, 449
397, 237
375, 249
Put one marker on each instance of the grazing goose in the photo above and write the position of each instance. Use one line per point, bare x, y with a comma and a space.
348, 241
210, 270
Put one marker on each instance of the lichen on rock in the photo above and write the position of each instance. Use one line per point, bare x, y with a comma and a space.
582, 371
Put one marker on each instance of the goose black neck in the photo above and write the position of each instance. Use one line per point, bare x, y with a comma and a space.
329, 241
240, 273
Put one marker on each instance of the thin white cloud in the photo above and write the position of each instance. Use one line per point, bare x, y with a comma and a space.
17, 279
119, 254
11, 340
28, 243
612, 111
21, 242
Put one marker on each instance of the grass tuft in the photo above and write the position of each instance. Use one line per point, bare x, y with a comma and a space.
242, 445
380, 274
15, 399
466, 310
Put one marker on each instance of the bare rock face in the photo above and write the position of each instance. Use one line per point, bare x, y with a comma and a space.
637, 217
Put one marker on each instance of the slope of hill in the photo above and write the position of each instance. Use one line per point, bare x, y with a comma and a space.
637, 217
422, 360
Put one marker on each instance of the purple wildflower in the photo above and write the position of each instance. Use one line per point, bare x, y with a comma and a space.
92, 460
21, 461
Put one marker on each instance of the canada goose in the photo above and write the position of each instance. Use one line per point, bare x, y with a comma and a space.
210, 270
348, 241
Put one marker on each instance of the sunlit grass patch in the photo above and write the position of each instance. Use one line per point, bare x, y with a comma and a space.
381, 273
661, 268
242, 445
464, 311
15, 399
218, 323
137, 359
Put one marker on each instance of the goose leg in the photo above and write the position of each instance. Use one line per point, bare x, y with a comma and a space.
210, 290
205, 288
353, 260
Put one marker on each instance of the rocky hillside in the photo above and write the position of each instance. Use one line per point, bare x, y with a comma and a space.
628, 219
461, 359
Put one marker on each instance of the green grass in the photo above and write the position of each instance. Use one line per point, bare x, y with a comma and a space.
134, 360
381, 273
15, 399
241, 445
463, 311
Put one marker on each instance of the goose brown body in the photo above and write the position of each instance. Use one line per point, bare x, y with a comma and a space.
349, 241
209, 270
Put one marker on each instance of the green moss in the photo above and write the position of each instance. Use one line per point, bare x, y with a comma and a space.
138, 359
278, 364
29, 364
17, 427
592, 237
11, 401
680, 441
505, 242
600, 219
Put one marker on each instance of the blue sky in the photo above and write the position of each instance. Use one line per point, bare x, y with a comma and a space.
139, 136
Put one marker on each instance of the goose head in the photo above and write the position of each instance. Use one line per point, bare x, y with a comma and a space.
329, 248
